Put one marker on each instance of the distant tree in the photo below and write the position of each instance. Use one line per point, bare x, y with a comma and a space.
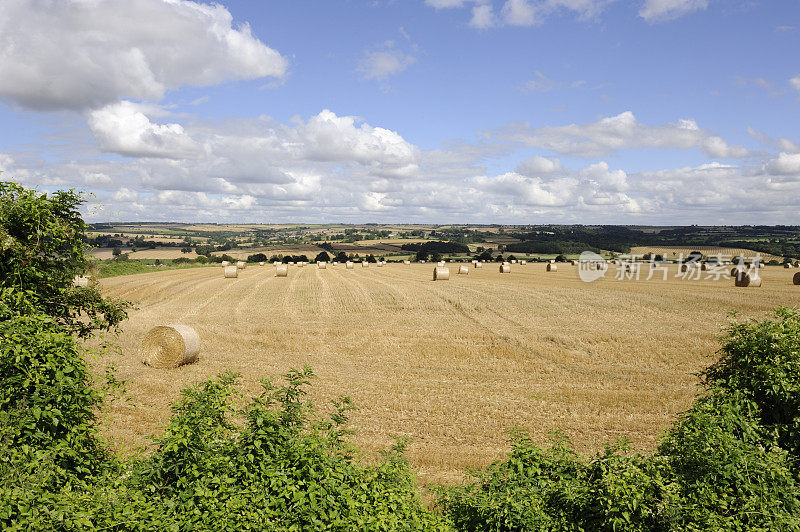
186, 249
257, 257
322, 256
436, 256
561, 258
116, 252
341, 257
371, 258
513, 257
421, 255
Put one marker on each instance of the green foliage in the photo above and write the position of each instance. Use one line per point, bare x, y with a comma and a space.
41, 251
257, 257
322, 256
761, 359
436, 246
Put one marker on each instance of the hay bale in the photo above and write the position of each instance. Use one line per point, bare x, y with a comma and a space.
282, 270
479, 265
231, 272
225, 263
349, 265
513, 261
745, 279
573, 262
241, 265
735, 271
260, 263
523, 262
440, 264
365, 264
796, 278
552, 268
463, 270
505, 268
406, 262
787, 265
380, 264
170, 346
440, 273
322, 265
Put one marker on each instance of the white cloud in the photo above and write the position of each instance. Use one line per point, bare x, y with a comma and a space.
795, 82
663, 10
622, 131
381, 64
519, 13
6, 162
538, 165
76, 54
784, 164
542, 83
483, 17
124, 194
125, 129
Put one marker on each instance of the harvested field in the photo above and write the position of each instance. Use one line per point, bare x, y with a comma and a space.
158, 253
673, 252
452, 365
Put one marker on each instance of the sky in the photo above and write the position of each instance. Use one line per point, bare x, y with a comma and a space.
660, 112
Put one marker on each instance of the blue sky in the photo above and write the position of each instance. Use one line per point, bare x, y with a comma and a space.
447, 111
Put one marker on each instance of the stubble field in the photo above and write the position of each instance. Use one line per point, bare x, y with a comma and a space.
452, 365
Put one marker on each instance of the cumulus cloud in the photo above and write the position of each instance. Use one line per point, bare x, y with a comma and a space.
125, 129
664, 10
519, 13
134, 49
622, 131
784, 164
382, 63
782, 144
795, 82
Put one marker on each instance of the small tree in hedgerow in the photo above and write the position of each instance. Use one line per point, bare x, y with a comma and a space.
322, 256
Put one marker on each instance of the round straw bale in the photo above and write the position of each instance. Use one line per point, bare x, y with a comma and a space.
231, 272
440, 273
282, 270
735, 271
479, 265
440, 264
523, 262
365, 264
349, 265
552, 268
322, 265
787, 265
463, 270
745, 280
241, 265
513, 261
170, 346
260, 263
505, 268
380, 264
796, 278
224, 263
406, 262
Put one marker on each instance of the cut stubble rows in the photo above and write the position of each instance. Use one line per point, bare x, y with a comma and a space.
452, 365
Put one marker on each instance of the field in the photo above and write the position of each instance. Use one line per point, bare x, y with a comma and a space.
453, 365
674, 252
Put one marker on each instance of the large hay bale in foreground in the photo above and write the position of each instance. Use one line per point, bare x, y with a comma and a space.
463, 270
282, 270
241, 265
746, 280
231, 272
349, 265
224, 263
440, 273
170, 346
796, 278
505, 268
552, 268
322, 265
